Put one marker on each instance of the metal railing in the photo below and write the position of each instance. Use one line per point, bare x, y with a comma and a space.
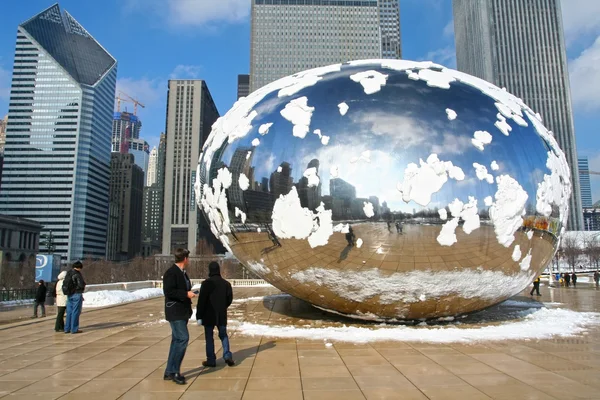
234, 282
17, 294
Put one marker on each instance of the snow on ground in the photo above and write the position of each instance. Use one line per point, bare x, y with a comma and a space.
12, 303
541, 324
105, 298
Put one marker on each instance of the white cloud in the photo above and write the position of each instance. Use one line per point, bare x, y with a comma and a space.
584, 74
193, 13
146, 91
580, 18
449, 29
453, 144
445, 56
186, 72
406, 132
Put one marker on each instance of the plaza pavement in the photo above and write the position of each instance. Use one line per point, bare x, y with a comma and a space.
122, 354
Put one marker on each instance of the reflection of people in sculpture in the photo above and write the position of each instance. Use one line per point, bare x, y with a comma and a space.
597, 278
398, 227
350, 236
567, 278
272, 236
536, 286
574, 279
389, 223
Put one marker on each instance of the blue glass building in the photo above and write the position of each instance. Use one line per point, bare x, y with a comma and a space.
584, 182
58, 136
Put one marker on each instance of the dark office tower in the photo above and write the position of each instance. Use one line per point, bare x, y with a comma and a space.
153, 201
520, 45
243, 86
281, 180
58, 137
126, 197
191, 113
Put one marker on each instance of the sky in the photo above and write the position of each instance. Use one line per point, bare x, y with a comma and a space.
157, 40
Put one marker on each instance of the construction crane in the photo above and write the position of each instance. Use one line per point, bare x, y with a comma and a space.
125, 97
586, 172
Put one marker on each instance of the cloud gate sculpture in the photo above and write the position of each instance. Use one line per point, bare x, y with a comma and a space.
386, 189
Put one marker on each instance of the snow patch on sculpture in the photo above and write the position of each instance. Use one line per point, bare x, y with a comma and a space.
359, 243
421, 182
451, 114
526, 262
488, 201
502, 125
255, 142
343, 107
482, 173
516, 255
371, 81
494, 166
324, 139
311, 175
299, 114
530, 235
507, 211
239, 213
459, 210
368, 209
342, 228
334, 171
555, 189
481, 139
364, 156
264, 128
243, 182
443, 214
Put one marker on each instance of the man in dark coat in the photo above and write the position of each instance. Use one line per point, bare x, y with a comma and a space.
215, 297
567, 279
40, 299
74, 280
574, 279
178, 310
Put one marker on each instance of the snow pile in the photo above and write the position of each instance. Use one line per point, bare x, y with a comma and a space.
540, 324
105, 298
12, 303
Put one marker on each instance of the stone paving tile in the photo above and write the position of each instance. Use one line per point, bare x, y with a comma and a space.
123, 350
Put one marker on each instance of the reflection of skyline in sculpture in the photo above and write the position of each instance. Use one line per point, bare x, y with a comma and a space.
310, 196
241, 163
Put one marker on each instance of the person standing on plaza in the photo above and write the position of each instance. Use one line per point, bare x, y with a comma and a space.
61, 303
215, 297
597, 278
536, 286
574, 279
567, 279
74, 286
177, 289
40, 299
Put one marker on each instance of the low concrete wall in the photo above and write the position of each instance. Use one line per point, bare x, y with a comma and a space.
130, 286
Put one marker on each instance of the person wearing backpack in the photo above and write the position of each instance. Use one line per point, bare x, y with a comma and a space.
73, 287
61, 303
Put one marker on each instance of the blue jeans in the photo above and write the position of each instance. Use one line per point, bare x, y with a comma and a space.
179, 341
74, 304
210, 343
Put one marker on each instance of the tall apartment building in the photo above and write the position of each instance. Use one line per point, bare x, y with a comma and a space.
288, 36
191, 113
126, 191
58, 137
520, 45
152, 231
3, 123
243, 86
152, 164
584, 182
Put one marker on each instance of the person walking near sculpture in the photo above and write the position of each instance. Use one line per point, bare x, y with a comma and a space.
74, 286
177, 289
567, 279
61, 303
574, 279
215, 297
597, 278
350, 236
40, 299
536, 286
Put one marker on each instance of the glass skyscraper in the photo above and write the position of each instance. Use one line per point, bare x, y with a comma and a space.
289, 36
520, 45
584, 182
58, 138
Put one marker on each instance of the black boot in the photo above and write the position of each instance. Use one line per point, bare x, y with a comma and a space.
179, 379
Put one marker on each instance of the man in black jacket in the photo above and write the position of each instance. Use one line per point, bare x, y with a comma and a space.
76, 286
178, 310
215, 297
40, 299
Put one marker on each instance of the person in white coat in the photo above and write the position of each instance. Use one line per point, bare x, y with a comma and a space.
61, 303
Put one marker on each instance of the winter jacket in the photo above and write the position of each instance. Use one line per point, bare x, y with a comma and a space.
574, 278
61, 298
77, 279
40, 294
215, 297
176, 285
